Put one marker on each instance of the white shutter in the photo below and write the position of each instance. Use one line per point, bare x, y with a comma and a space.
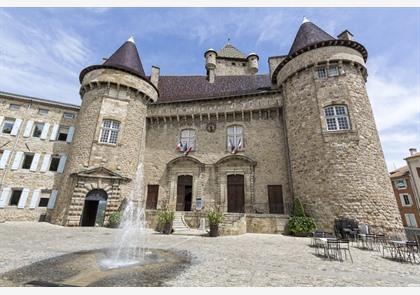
1, 120
51, 201
54, 132
61, 164
23, 198
70, 134
44, 132
4, 158
35, 199
4, 197
17, 161
45, 162
34, 164
28, 129
16, 127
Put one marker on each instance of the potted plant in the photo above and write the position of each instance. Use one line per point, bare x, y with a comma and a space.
299, 224
215, 218
165, 220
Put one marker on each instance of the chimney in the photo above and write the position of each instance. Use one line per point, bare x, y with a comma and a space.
154, 76
412, 151
346, 35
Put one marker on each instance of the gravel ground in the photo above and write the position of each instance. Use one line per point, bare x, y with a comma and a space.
246, 260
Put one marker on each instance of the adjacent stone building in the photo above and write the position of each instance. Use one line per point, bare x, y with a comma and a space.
242, 142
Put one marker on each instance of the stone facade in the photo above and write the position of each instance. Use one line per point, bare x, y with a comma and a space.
284, 148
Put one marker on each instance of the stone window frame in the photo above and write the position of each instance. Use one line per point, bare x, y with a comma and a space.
25, 155
43, 111
400, 187
68, 115
326, 67
15, 189
403, 201
195, 137
8, 120
60, 127
336, 117
409, 220
34, 128
14, 106
242, 149
101, 128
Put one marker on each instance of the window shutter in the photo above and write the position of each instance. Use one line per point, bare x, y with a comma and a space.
16, 127
35, 161
54, 132
70, 134
1, 120
44, 132
51, 202
4, 158
45, 162
62, 164
17, 161
4, 197
23, 198
28, 129
35, 199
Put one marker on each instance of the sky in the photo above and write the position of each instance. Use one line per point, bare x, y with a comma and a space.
43, 50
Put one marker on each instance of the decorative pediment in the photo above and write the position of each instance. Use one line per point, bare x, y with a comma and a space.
236, 160
186, 161
100, 172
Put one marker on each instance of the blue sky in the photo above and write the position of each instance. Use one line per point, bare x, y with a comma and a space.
43, 50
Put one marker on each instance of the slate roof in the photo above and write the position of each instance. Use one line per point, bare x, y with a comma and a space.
183, 88
126, 58
309, 34
230, 51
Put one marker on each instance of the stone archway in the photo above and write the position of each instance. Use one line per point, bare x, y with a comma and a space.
93, 213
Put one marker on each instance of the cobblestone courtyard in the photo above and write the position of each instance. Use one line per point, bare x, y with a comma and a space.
246, 260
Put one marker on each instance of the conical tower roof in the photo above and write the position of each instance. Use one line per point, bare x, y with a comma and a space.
308, 34
126, 58
230, 51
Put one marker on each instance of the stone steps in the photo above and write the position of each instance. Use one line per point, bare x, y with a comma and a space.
178, 224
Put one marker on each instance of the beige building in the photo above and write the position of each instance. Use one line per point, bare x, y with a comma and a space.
232, 139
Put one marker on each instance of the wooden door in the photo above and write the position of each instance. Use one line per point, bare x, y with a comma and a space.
183, 181
152, 196
236, 193
275, 199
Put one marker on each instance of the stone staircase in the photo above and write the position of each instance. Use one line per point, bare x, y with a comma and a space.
233, 224
179, 224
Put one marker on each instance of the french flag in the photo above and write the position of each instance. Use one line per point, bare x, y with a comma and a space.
238, 147
189, 149
179, 147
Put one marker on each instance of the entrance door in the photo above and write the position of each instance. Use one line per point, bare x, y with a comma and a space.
94, 208
152, 196
184, 193
275, 199
236, 193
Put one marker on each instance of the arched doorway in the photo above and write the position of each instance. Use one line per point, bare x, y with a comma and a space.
184, 193
235, 193
94, 208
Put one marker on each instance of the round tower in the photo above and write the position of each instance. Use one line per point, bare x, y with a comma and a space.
109, 138
210, 56
336, 160
253, 63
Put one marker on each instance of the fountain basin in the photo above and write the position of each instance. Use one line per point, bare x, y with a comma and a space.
96, 269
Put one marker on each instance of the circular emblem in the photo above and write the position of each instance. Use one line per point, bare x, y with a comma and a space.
211, 127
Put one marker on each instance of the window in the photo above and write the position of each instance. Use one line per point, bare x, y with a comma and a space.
235, 140
62, 133
418, 171
45, 197
55, 160
331, 71
234, 64
14, 200
43, 111
27, 160
400, 183
109, 131
188, 139
13, 106
337, 118
152, 196
38, 129
68, 115
8, 125
411, 220
406, 200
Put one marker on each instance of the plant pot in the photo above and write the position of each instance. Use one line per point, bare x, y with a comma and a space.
214, 230
167, 228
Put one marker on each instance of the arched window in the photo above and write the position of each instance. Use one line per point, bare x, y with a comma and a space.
337, 117
109, 131
187, 139
235, 138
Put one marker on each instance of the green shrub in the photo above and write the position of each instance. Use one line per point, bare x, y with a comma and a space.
215, 218
301, 225
115, 219
165, 216
298, 208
